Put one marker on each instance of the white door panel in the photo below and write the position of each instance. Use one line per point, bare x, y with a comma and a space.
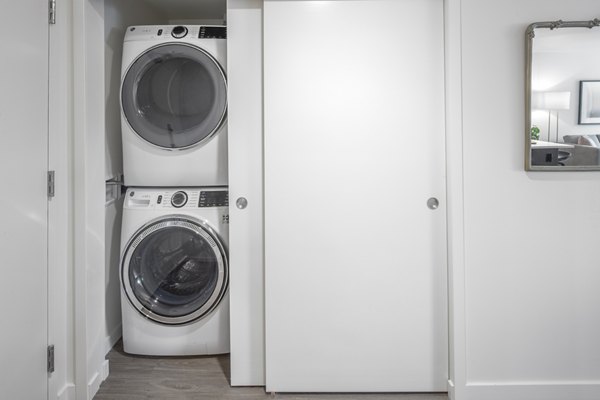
354, 147
244, 74
23, 205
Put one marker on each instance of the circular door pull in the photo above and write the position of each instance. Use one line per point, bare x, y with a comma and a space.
241, 203
433, 203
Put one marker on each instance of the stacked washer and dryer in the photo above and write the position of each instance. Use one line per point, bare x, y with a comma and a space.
174, 265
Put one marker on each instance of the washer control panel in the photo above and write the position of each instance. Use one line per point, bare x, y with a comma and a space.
174, 198
214, 198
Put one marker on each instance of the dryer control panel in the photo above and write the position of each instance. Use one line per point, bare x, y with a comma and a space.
212, 32
170, 33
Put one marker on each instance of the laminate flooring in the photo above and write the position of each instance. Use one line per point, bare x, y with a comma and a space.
200, 378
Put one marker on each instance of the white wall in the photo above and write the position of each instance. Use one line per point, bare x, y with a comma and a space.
97, 27
118, 15
196, 21
529, 321
112, 283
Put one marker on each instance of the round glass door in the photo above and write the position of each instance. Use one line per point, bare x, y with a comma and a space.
174, 96
174, 270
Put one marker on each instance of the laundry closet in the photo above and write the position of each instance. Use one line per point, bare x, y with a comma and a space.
332, 236
166, 181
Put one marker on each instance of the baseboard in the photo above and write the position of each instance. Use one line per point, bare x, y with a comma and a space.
105, 370
451, 394
532, 391
66, 393
112, 339
94, 385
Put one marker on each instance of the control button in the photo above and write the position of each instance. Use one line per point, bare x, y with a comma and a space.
179, 199
159, 200
179, 31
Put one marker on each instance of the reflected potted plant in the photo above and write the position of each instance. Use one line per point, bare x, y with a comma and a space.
535, 133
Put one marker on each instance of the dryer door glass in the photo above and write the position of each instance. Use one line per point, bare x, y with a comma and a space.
175, 271
175, 96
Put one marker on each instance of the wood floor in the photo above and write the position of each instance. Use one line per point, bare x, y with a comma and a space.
199, 378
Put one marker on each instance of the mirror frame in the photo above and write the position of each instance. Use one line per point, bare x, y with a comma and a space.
529, 36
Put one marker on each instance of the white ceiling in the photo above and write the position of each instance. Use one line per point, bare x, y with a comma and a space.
190, 9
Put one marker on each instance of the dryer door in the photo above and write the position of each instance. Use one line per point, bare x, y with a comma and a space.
174, 270
174, 96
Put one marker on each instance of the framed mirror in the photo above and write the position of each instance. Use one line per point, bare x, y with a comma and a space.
563, 96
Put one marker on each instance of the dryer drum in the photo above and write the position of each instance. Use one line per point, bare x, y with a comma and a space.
174, 271
174, 96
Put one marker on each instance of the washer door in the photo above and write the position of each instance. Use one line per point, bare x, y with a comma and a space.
174, 96
174, 270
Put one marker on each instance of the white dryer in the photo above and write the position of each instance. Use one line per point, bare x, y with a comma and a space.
174, 271
174, 106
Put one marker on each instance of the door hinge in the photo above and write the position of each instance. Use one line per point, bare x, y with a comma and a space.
50, 183
52, 12
50, 363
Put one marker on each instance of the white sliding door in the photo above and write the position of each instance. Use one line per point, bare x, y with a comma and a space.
24, 205
245, 130
355, 277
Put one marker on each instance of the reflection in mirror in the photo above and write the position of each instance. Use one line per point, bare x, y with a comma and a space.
563, 96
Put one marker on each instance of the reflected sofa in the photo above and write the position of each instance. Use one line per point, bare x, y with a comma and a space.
586, 150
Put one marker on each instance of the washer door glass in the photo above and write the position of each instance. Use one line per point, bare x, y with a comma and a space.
175, 96
175, 271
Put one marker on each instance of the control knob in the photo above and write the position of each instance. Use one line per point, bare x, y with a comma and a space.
179, 199
179, 31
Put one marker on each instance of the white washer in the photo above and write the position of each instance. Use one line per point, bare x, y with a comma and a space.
174, 271
174, 106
